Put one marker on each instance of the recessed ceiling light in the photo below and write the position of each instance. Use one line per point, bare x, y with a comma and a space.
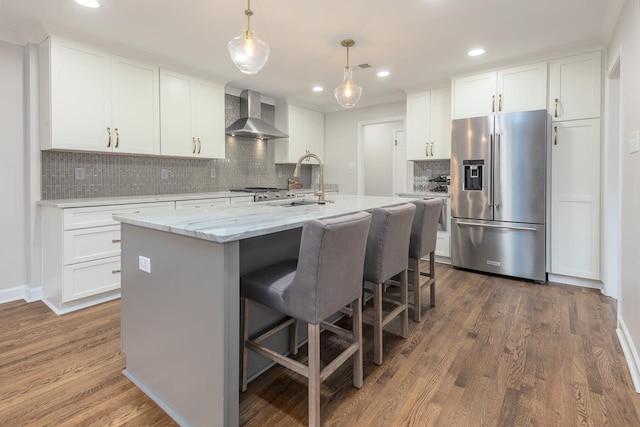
383, 73
318, 88
476, 52
89, 3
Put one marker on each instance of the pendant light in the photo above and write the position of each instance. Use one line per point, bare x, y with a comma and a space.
348, 93
247, 51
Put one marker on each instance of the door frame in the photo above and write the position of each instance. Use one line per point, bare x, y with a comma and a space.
361, 147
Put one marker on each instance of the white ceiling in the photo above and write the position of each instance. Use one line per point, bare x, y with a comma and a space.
422, 42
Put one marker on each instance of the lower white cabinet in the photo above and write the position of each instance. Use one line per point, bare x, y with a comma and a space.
575, 199
81, 253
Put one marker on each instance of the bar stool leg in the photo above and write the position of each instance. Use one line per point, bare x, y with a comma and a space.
356, 306
404, 300
244, 306
314, 374
293, 338
417, 309
432, 277
377, 323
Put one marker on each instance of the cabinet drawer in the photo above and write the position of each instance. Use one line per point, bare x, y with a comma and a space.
443, 244
75, 218
201, 203
87, 244
90, 278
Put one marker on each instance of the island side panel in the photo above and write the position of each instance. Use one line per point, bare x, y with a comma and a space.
180, 324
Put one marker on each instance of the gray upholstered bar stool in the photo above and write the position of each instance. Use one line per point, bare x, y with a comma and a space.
387, 246
424, 234
326, 277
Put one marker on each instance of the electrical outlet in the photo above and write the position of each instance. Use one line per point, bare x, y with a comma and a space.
351, 166
212, 173
634, 142
429, 173
279, 174
164, 174
79, 173
144, 263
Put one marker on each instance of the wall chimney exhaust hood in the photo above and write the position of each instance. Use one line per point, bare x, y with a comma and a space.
250, 125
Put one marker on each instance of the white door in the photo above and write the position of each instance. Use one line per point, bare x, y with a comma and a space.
400, 162
522, 88
379, 146
440, 119
575, 82
135, 106
81, 97
418, 132
176, 92
575, 199
474, 96
208, 119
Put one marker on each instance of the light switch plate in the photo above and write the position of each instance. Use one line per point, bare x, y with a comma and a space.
164, 174
144, 264
634, 142
79, 174
351, 166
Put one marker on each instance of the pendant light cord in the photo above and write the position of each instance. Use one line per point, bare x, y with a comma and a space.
248, 12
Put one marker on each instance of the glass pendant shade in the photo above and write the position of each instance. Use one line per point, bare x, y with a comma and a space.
248, 52
348, 93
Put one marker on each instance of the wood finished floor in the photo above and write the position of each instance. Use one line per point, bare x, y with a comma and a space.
494, 352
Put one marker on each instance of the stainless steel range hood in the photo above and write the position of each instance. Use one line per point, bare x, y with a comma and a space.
251, 125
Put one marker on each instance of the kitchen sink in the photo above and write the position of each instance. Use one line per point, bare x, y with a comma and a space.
297, 202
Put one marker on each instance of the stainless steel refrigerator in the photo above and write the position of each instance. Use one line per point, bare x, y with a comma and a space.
498, 194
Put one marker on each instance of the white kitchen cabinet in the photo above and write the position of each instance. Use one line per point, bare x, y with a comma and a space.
522, 88
305, 129
92, 100
192, 114
575, 199
429, 125
81, 253
575, 87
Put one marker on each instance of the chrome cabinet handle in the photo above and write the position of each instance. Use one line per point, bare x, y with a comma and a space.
116, 240
555, 135
426, 149
193, 145
500, 102
117, 137
199, 145
109, 141
556, 112
493, 103
116, 271
432, 149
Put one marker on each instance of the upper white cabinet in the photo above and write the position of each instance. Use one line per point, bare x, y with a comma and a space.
305, 129
192, 112
429, 125
575, 199
92, 100
522, 88
575, 86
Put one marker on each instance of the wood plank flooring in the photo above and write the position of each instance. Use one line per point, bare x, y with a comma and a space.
494, 352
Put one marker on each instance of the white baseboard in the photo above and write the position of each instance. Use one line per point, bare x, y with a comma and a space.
630, 353
575, 281
27, 293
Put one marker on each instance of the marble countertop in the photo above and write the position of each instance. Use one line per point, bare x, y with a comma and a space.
230, 223
102, 201
424, 194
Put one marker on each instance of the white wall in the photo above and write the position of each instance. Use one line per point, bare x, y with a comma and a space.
14, 215
378, 156
626, 39
341, 141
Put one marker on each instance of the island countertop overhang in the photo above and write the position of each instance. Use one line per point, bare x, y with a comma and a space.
231, 223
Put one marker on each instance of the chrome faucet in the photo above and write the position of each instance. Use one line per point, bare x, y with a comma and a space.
296, 173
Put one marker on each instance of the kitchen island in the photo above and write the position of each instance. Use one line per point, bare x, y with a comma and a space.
181, 316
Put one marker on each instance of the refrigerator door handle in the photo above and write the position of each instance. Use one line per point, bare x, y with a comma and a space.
508, 227
496, 173
490, 204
